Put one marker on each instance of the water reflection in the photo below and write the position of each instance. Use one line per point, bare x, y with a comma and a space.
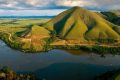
30, 62
59, 64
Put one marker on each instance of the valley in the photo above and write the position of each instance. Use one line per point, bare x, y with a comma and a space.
76, 28
59, 39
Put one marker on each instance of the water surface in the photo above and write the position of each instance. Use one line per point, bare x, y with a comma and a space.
59, 64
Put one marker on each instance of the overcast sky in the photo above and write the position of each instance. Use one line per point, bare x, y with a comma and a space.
52, 7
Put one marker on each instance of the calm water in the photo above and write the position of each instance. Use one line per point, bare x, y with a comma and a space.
59, 64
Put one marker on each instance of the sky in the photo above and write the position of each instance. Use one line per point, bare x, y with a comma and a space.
52, 7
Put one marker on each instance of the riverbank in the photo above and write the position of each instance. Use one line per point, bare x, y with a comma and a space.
66, 62
89, 48
100, 49
95, 48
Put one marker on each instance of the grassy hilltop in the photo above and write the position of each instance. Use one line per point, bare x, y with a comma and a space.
76, 28
79, 23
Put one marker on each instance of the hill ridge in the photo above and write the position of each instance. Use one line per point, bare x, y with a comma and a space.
77, 21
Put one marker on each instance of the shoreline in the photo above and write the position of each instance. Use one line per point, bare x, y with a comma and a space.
99, 49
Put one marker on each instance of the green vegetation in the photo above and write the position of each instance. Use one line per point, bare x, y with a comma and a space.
76, 28
8, 74
13, 31
97, 49
79, 23
112, 17
12, 44
33, 38
106, 41
102, 50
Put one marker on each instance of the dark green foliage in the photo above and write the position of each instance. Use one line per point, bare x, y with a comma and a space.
52, 36
106, 41
116, 20
109, 15
47, 45
5, 38
85, 48
49, 40
6, 69
101, 49
117, 29
25, 32
112, 17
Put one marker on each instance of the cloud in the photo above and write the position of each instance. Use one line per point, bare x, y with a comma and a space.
107, 4
91, 4
71, 3
30, 12
58, 4
23, 4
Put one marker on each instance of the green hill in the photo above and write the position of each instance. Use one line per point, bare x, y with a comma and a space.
34, 30
112, 16
75, 28
33, 38
79, 23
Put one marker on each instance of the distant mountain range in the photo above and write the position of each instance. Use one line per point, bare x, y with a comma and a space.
27, 16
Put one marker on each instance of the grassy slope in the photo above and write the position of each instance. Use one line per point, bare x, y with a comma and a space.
74, 24
35, 38
79, 23
19, 24
112, 16
22, 27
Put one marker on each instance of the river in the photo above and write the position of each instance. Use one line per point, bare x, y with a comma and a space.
58, 64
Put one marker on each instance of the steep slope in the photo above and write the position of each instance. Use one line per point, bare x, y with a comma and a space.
33, 38
101, 15
39, 31
34, 30
79, 23
112, 16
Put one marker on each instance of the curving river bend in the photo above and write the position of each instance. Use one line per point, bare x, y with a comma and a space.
58, 64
